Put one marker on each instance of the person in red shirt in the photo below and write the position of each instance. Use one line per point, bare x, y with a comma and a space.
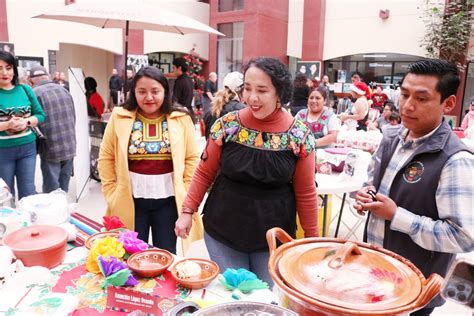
95, 103
378, 99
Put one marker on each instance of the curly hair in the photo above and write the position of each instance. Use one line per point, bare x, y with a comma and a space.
279, 74
153, 73
221, 98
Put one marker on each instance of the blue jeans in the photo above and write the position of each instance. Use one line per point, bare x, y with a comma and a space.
56, 174
19, 162
226, 257
159, 214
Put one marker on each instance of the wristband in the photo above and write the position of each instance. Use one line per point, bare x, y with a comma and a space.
187, 210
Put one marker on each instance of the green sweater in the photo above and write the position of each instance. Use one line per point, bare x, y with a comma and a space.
17, 102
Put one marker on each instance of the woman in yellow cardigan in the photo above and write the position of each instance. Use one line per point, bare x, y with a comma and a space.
147, 159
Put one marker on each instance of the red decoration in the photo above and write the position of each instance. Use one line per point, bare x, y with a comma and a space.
112, 222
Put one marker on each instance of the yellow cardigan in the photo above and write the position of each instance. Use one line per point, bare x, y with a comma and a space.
114, 173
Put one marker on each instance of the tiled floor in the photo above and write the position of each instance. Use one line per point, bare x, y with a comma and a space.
93, 205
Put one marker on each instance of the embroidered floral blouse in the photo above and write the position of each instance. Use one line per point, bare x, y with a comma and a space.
279, 131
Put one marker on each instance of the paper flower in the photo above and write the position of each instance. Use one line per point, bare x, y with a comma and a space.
242, 280
131, 243
112, 222
106, 247
115, 272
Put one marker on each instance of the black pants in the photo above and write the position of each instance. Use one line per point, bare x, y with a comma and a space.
114, 95
161, 216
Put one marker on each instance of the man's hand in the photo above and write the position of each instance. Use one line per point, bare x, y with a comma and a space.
383, 208
183, 225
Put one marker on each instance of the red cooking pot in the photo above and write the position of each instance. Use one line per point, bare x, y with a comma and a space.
40, 245
321, 276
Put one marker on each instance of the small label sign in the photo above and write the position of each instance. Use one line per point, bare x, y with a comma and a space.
128, 300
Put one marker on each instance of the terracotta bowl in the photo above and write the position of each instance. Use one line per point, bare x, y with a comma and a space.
91, 239
150, 263
209, 271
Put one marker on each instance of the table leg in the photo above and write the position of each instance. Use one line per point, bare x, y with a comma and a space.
340, 215
325, 213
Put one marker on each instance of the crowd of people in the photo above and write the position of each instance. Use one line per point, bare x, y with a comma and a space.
258, 165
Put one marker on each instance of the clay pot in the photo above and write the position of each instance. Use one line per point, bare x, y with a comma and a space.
40, 245
319, 276
209, 271
93, 238
150, 263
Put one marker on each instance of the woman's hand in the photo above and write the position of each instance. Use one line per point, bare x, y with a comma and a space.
183, 225
17, 124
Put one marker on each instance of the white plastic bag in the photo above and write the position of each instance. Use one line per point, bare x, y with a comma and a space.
46, 208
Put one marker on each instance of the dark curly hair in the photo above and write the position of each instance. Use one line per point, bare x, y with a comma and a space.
153, 73
278, 72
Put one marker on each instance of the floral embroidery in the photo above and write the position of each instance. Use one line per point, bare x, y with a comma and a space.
230, 117
136, 135
243, 135
275, 141
216, 127
147, 141
298, 138
138, 126
152, 147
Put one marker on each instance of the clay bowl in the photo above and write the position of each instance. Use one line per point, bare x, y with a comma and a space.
306, 270
150, 263
209, 271
91, 239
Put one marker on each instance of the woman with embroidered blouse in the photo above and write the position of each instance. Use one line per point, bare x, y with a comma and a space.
322, 122
146, 161
262, 161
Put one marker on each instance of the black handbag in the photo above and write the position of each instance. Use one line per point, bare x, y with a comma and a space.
41, 141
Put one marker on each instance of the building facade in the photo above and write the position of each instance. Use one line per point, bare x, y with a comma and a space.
333, 37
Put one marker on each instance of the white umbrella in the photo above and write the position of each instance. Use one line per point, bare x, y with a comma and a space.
132, 15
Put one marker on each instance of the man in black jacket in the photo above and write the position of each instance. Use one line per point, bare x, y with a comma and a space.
183, 86
115, 85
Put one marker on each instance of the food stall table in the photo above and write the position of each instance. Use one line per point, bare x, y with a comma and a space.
73, 285
335, 183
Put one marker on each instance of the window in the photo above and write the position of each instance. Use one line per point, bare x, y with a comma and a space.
229, 49
230, 5
382, 68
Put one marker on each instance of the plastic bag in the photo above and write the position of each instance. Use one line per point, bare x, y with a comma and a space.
46, 208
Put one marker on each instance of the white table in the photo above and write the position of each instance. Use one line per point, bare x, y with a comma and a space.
335, 183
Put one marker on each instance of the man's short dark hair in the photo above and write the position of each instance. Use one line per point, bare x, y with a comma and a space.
356, 73
180, 62
395, 117
446, 72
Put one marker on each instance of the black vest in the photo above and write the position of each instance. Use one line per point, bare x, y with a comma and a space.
414, 188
